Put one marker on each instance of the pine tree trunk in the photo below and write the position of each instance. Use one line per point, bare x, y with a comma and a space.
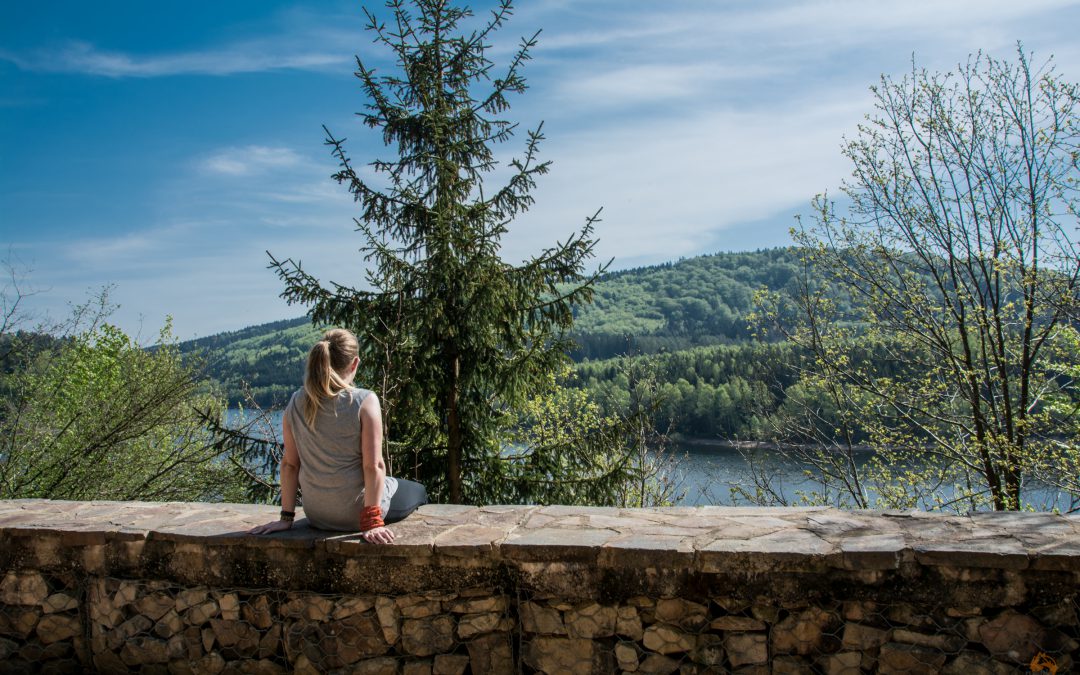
453, 468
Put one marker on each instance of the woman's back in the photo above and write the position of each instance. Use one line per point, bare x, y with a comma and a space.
331, 466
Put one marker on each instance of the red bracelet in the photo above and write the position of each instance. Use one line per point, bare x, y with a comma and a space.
370, 518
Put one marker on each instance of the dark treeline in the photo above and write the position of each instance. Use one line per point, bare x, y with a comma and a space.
731, 391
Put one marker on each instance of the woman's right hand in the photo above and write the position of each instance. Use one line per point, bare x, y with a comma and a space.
378, 535
274, 526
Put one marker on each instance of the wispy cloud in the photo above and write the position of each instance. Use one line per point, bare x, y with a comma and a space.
248, 160
88, 59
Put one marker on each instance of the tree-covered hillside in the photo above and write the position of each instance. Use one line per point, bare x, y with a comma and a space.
693, 302
266, 360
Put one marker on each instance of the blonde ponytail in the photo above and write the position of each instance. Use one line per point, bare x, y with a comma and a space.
327, 366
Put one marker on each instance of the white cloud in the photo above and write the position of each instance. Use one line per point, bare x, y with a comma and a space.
250, 159
85, 58
668, 188
654, 82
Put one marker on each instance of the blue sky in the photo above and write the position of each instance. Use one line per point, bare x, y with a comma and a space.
164, 146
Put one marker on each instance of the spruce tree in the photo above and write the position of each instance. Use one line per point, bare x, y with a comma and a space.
454, 338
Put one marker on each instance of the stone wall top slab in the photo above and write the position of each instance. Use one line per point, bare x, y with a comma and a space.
691, 536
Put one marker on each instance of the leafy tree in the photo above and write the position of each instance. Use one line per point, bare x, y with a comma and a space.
94, 415
454, 338
957, 254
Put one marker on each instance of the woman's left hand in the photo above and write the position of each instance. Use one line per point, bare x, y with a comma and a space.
274, 526
378, 535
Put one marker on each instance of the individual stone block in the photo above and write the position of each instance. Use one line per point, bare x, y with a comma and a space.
1060, 614
175, 648
229, 604
420, 609
360, 632
627, 655
169, 625
862, 638
270, 642
709, 650
256, 611
590, 620
470, 625
236, 638
142, 651
206, 635
126, 592
18, 621
790, 665
134, 626
561, 655
59, 602
213, 663
689, 615
155, 605
389, 618
767, 613
429, 636
974, 663
746, 648
904, 613
56, 627
1013, 636
23, 588
268, 667
492, 654
897, 659
745, 624
657, 664
416, 668
842, 663
858, 611
38, 653
472, 605
201, 613
190, 597
665, 638
310, 607
450, 664
962, 612
628, 623
537, 618
192, 639
804, 633
941, 641
732, 605
109, 662
346, 607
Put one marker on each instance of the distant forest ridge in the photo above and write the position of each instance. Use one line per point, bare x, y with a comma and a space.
691, 312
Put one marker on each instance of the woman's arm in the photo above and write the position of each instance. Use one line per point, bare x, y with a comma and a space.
374, 467
290, 480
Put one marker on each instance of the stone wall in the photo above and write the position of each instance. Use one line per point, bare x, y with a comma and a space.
179, 588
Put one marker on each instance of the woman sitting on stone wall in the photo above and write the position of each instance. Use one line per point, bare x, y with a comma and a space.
333, 451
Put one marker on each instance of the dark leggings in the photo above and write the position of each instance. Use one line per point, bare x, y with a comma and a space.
409, 496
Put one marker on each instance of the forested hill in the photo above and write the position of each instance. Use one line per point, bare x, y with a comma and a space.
695, 301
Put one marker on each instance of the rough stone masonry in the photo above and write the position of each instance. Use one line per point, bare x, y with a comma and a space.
180, 588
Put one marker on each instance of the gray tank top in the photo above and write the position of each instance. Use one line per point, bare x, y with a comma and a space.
331, 467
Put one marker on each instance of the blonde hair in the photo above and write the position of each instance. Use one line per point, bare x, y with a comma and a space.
326, 363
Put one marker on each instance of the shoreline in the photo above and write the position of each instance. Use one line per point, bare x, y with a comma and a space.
728, 444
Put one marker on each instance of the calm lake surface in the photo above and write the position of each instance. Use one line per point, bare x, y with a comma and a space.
705, 472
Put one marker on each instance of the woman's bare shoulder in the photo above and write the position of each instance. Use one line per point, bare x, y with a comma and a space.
369, 404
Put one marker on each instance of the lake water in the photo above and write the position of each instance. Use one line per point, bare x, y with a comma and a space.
705, 472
